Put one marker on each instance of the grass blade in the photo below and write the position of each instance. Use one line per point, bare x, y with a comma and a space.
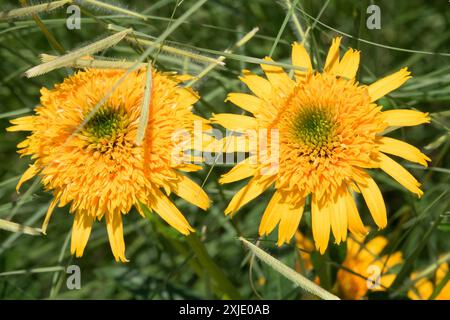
111, 7
15, 227
143, 120
289, 273
66, 59
30, 10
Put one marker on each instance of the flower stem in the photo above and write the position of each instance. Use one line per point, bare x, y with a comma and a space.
213, 270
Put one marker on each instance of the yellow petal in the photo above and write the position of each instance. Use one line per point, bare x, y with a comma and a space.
242, 170
167, 210
81, 230
233, 143
338, 219
272, 214
320, 225
22, 124
374, 200
376, 245
393, 259
400, 174
422, 290
244, 101
300, 58
253, 189
49, 215
191, 192
290, 219
234, 122
333, 55
387, 84
186, 97
403, 150
258, 85
189, 167
355, 224
115, 234
405, 118
349, 64
27, 175
277, 76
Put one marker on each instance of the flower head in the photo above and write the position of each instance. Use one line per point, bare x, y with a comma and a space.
86, 154
369, 269
424, 287
364, 268
329, 132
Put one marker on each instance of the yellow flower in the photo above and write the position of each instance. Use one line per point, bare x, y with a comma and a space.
330, 131
363, 268
90, 159
423, 288
372, 270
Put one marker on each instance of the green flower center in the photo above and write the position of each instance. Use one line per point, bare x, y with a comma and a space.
106, 123
314, 127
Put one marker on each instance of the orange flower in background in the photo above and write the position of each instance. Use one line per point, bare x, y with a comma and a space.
89, 159
424, 287
363, 269
373, 271
330, 132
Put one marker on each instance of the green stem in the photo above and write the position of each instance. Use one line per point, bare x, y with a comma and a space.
213, 270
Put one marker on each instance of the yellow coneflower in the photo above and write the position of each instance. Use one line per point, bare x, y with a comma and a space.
330, 131
363, 268
371, 271
424, 287
89, 158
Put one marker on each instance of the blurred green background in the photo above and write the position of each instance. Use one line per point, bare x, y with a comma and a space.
162, 263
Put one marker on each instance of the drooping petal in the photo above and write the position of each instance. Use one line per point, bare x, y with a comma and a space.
191, 192
355, 224
387, 84
320, 216
405, 118
27, 175
332, 59
349, 64
114, 227
170, 213
403, 150
272, 214
289, 221
400, 174
81, 230
253, 189
234, 122
50, 209
258, 85
300, 58
242, 170
245, 101
338, 218
374, 200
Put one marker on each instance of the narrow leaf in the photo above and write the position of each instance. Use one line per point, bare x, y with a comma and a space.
289, 273
15, 227
143, 120
20, 12
67, 59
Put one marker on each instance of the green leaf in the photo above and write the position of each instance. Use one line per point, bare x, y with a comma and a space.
289, 273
